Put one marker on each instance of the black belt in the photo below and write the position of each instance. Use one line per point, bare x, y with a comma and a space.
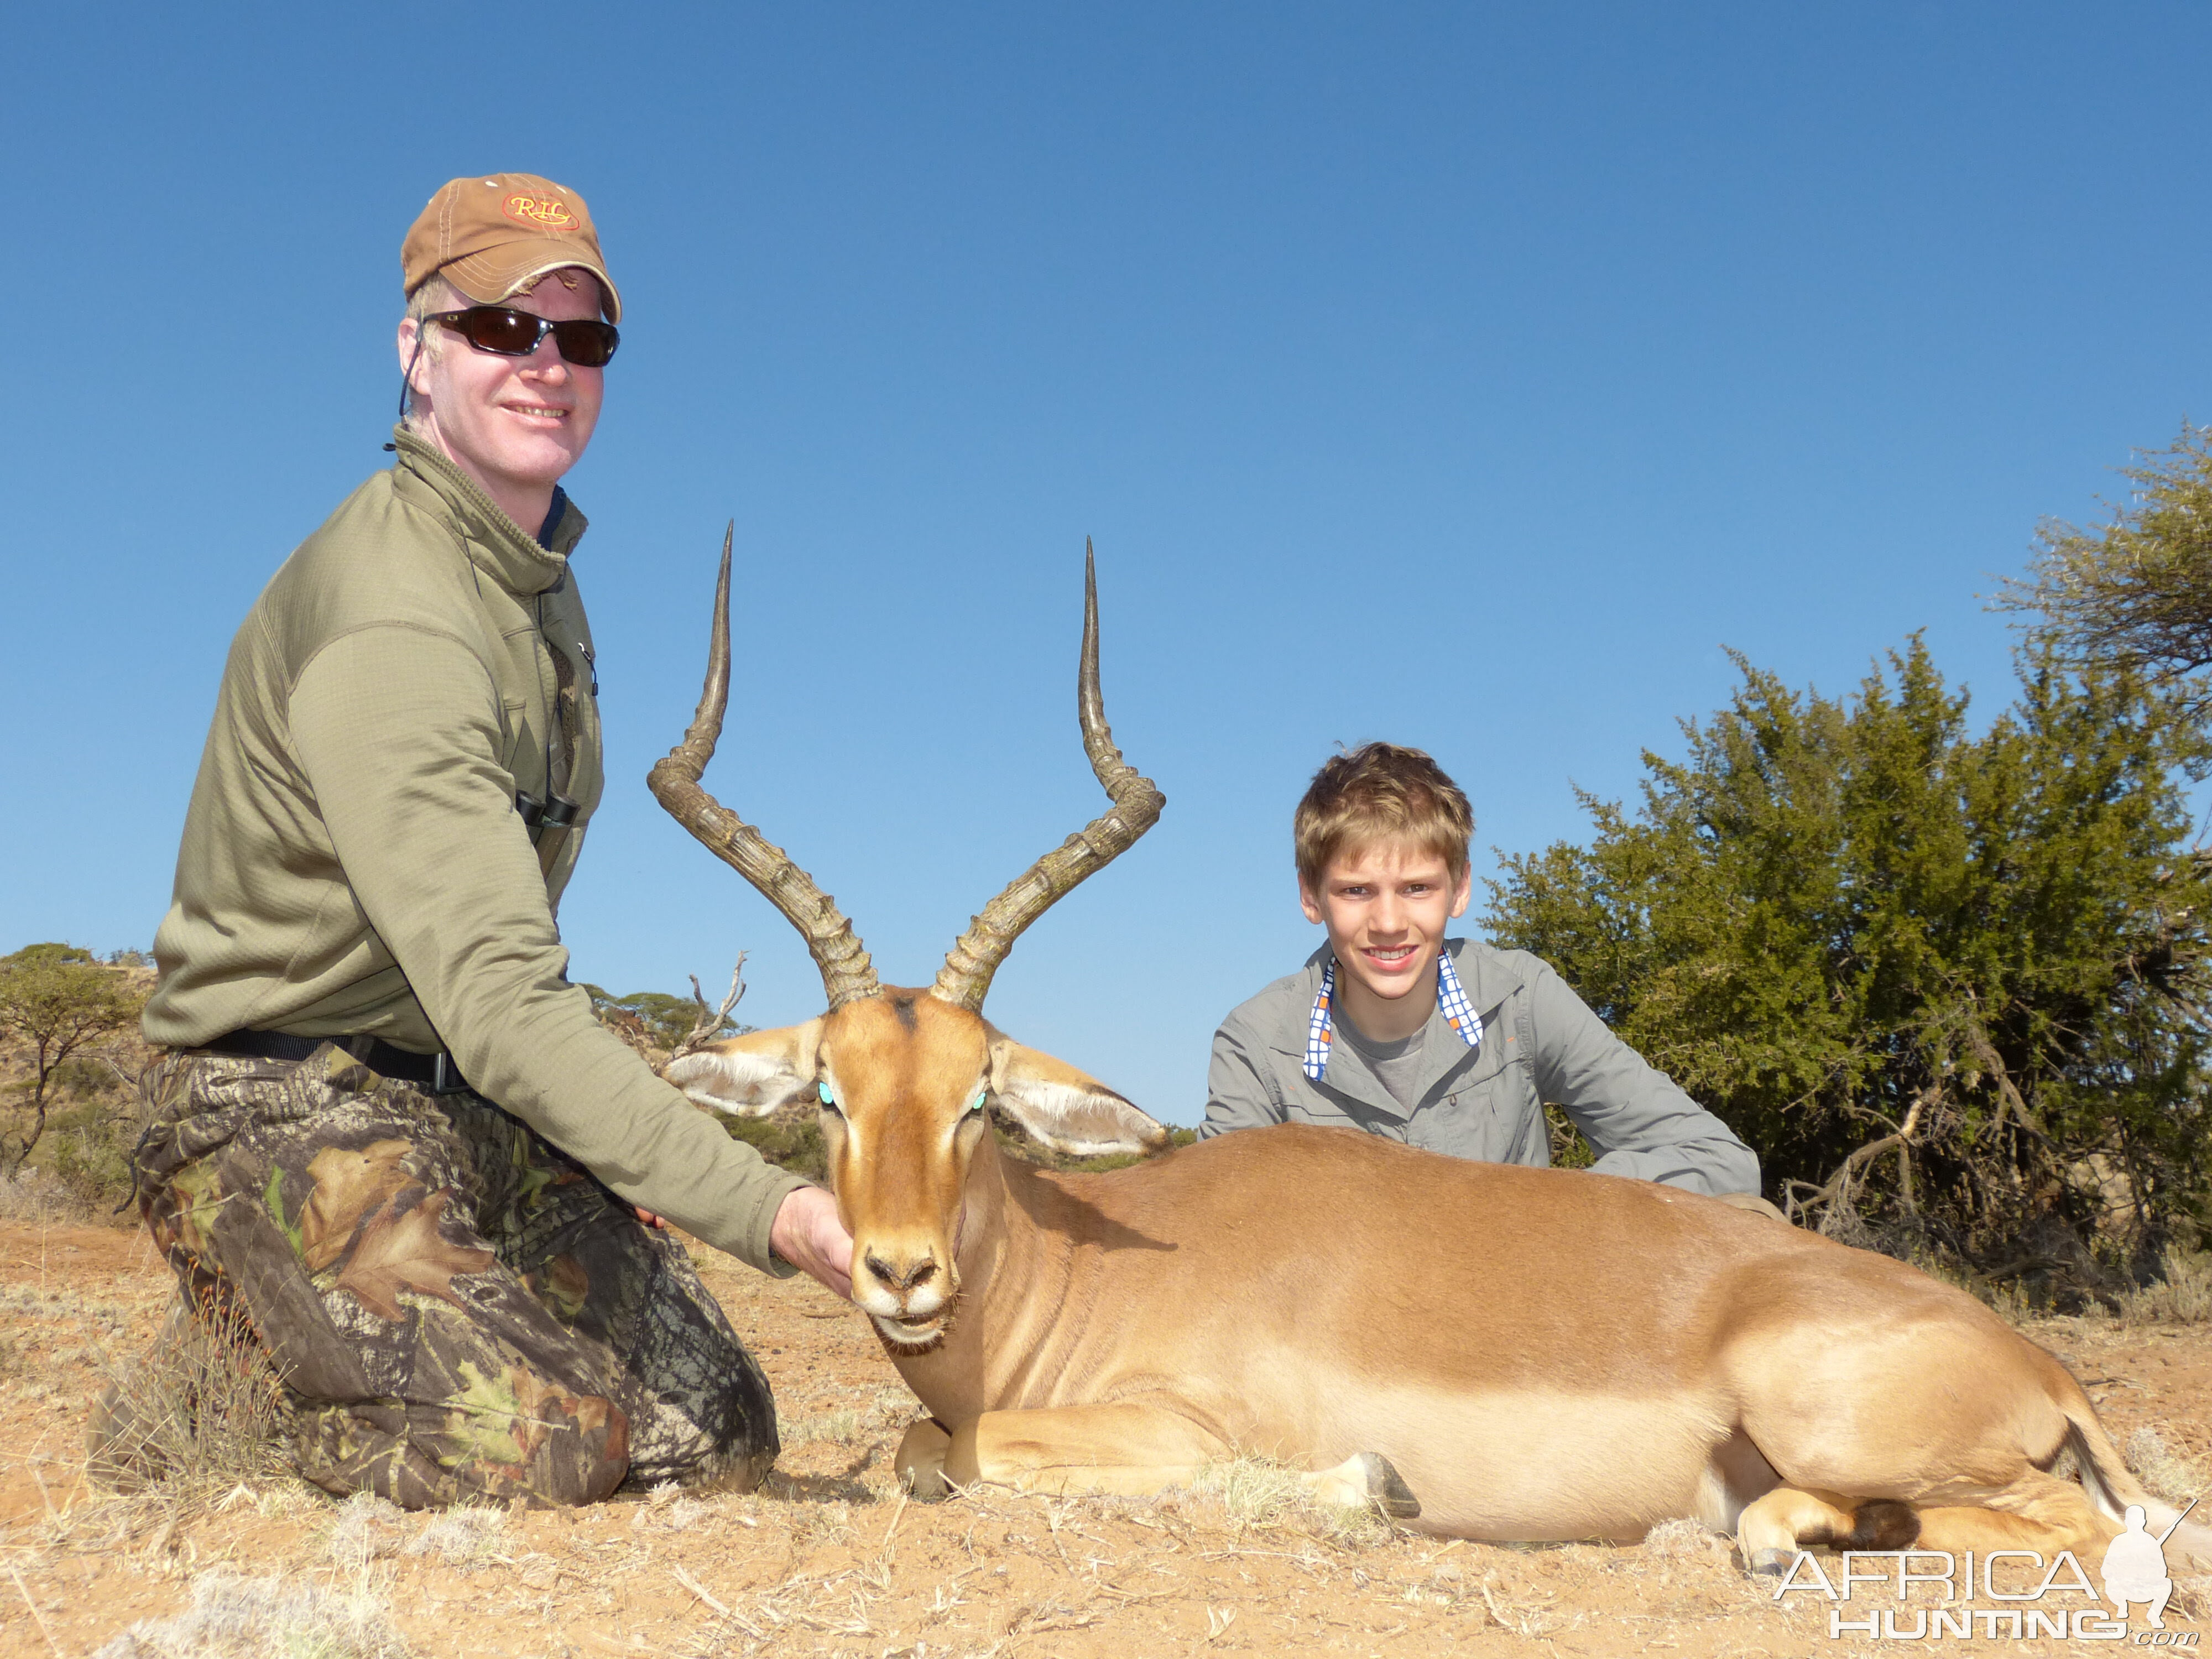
435, 1072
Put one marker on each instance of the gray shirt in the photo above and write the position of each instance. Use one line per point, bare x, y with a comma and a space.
1539, 1041
1397, 1066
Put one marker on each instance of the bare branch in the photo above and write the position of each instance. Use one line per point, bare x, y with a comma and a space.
710, 1021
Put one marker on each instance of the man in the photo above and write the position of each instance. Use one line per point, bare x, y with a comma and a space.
389, 1133
1440, 1042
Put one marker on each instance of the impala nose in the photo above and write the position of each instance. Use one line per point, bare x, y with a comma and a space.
917, 1273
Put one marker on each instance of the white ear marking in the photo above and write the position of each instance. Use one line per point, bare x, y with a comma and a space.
733, 1081
1066, 1109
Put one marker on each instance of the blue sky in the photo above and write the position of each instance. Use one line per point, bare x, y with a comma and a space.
1468, 376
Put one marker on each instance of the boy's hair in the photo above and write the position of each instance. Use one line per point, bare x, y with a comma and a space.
1378, 790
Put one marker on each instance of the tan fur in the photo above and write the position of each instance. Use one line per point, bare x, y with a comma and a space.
1540, 1354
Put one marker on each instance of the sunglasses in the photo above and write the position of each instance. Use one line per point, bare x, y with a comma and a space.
586, 342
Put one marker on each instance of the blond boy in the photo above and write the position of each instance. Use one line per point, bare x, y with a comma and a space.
1443, 1043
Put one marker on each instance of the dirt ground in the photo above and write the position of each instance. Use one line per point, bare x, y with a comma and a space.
828, 1559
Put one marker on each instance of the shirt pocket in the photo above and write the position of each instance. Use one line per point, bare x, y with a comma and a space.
1479, 1117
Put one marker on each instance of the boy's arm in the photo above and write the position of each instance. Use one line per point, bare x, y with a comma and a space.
1635, 1118
1236, 1092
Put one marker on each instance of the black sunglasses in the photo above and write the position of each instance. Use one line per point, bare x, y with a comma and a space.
585, 342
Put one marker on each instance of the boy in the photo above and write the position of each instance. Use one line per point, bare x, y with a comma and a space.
1441, 1043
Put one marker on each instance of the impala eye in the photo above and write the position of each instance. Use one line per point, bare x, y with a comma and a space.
828, 1099
976, 1104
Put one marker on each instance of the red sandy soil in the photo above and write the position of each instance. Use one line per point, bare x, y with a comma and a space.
828, 1560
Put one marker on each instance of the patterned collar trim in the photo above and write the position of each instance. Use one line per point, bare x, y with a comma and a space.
1321, 1026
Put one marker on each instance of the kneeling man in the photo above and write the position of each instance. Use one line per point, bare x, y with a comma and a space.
1442, 1044
389, 1136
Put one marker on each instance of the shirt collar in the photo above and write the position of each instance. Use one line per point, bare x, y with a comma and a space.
1451, 1002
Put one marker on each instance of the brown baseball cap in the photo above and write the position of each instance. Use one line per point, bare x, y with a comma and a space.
490, 233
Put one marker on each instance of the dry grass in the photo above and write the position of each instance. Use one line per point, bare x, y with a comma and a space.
202, 1412
2181, 1295
889, 1408
235, 1617
38, 1195
1257, 1494
463, 1537
2162, 1470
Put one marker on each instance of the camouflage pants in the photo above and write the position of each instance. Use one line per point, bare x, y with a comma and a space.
458, 1310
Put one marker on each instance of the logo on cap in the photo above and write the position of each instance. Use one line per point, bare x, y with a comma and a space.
549, 213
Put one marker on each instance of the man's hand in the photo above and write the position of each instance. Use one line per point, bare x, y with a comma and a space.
807, 1234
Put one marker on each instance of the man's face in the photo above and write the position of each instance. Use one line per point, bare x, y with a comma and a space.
516, 424
1386, 906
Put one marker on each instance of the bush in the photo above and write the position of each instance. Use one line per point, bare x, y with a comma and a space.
89, 1152
791, 1141
1950, 986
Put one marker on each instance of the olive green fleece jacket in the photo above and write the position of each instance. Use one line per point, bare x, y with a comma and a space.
353, 860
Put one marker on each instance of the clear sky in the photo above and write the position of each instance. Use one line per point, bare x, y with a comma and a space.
1465, 375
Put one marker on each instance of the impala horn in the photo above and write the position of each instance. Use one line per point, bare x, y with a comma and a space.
966, 979
847, 974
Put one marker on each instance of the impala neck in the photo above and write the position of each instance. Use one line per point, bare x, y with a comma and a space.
1002, 1274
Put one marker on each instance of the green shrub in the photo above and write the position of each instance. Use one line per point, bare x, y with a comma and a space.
789, 1142
88, 1150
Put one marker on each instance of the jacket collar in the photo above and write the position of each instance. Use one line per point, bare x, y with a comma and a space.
497, 545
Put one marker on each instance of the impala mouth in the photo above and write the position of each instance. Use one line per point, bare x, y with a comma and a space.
911, 1333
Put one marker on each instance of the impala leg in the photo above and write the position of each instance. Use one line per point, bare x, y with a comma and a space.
1770, 1531
920, 1459
1130, 1449
2037, 1512
1363, 1478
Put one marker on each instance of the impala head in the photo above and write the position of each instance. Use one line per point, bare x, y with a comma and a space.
902, 1079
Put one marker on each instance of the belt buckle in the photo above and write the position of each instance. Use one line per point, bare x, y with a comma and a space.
445, 1078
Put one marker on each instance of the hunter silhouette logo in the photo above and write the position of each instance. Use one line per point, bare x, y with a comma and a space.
2135, 1566
543, 212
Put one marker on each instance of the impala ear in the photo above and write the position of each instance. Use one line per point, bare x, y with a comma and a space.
752, 1075
1066, 1109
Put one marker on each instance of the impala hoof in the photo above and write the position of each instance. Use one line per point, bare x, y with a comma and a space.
1770, 1564
1386, 1490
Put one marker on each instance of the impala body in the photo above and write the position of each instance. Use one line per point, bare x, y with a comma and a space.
1485, 1350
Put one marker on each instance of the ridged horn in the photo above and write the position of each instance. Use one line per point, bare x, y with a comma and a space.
966, 979
847, 974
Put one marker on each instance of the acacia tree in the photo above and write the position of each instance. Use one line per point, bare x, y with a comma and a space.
55, 999
2135, 592
1950, 987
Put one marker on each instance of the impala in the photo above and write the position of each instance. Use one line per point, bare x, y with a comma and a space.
1483, 1350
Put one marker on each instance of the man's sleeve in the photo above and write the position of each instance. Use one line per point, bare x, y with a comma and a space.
1635, 1117
1236, 1092
396, 730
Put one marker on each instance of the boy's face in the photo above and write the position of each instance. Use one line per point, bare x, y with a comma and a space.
1386, 905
